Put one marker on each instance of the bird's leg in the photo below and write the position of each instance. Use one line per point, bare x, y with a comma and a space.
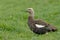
46, 33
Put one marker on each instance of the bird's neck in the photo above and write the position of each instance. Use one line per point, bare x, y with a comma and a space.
31, 14
30, 18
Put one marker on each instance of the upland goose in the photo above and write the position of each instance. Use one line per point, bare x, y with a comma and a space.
38, 26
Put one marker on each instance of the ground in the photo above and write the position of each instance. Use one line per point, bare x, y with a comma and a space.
13, 19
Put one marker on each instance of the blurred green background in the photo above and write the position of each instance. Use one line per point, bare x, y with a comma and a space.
13, 19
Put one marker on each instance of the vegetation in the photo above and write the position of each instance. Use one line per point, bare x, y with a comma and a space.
13, 19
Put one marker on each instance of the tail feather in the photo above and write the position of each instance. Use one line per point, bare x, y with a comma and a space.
53, 29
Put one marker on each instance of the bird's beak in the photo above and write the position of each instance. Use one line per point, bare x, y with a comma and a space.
26, 10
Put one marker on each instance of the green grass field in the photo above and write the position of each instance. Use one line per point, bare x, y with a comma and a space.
13, 19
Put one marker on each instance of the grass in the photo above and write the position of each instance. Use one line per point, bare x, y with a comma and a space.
13, 19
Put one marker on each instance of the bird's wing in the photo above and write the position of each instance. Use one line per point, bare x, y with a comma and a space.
41, 22
39, 26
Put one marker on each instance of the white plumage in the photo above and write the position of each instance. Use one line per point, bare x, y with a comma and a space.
39, 26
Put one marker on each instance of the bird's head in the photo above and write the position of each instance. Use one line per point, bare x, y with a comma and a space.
30, 10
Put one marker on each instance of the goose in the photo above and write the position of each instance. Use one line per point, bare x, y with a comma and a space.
38, 26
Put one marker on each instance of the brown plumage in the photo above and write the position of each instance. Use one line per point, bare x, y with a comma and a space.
38, 26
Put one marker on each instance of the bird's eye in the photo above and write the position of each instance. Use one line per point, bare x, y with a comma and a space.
29, 9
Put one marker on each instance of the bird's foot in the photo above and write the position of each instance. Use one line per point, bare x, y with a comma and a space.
46, 32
